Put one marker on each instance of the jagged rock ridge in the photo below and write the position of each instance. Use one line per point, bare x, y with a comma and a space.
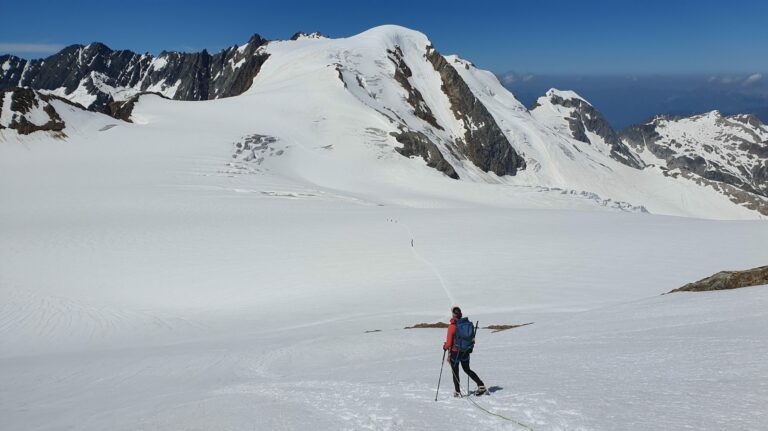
584, 122
27, 111
709, 148
96, 76
484, 143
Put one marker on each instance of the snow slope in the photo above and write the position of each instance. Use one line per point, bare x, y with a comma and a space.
350, 101
556, 160
234, 311
159, 275
732, 148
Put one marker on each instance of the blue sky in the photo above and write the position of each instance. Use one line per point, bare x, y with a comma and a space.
547, 37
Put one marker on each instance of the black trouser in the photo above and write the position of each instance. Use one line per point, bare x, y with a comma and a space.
463, 359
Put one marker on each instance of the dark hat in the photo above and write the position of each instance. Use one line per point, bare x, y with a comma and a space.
456, 311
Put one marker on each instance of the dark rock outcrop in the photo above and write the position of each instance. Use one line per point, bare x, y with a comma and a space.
415, 99
30, 112
724, 280
584, 117
302, 35
100, 72
419, 145
123, 109
726, 149
484, 144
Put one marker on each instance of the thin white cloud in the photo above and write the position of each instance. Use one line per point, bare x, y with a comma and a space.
29, 48
510, 78
752, 79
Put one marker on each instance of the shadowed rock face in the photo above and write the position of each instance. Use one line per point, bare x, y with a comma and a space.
123, 109
301, 35
95, 68
415, 99
728, 280
584, 117
484, 144
29, 112
419, 145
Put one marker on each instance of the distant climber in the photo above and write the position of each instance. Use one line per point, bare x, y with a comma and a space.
460, 342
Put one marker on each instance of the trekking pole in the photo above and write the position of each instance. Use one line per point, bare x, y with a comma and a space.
442, 364
474, 334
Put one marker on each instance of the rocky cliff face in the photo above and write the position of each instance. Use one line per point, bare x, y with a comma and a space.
96, 76
483, 143
27, 111
437, 117
732, 150
572, 115
416, 144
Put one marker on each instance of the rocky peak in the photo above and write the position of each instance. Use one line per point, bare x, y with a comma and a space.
27, 111
96, 76
301, 35
730, 150
571, 114
256, 41
483, 142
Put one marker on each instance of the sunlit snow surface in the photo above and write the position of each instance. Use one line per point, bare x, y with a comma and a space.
150, 280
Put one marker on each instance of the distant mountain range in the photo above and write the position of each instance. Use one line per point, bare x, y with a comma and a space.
652, 95
409, 99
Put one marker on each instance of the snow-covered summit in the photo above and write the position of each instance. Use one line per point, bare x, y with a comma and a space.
564, 94
301, 35
380, 110
572, 115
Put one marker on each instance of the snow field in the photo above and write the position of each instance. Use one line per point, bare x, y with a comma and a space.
150, 280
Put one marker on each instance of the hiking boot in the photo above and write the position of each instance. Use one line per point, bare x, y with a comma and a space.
481, 390
457, 394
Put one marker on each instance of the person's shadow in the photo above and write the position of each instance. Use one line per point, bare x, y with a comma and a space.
491, 390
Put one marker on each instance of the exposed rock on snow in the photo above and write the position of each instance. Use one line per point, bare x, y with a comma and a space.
731, 150
735, 194
585, 123
96, 76
428, 325
724, 280
256, 147
415, 99
499, 328
301, 35
123, 109
398, 97
483, 142
28, 111
418, 144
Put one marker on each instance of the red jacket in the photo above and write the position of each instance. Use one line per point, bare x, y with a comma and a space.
449, 340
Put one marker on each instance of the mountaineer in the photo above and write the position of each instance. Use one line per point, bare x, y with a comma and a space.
460, 342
